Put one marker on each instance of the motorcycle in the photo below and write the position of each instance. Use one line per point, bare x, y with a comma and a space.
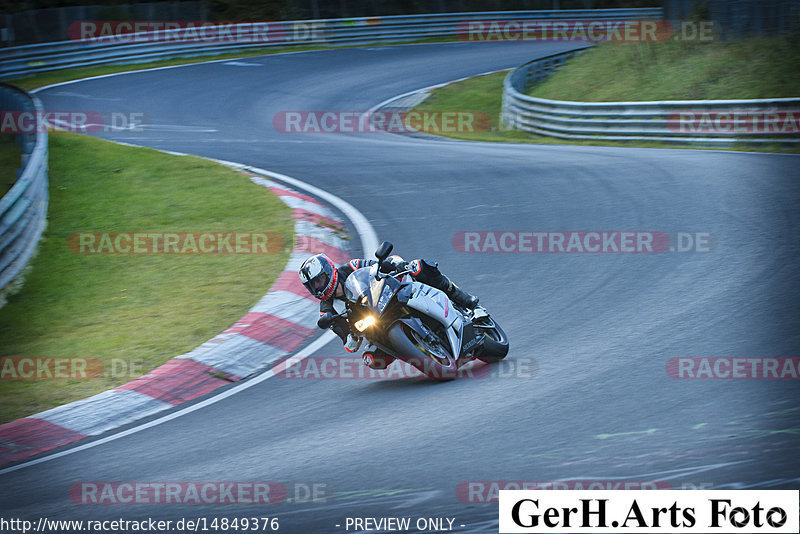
417, 323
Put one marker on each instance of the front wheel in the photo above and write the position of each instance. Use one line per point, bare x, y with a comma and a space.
430, 358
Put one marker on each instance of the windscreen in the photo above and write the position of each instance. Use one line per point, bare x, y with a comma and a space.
357, 284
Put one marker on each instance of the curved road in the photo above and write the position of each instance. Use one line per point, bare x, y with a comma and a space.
586, 394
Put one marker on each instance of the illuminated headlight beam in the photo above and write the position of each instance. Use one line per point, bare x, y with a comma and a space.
365, 323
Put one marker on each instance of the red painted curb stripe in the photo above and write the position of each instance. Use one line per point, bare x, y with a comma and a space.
286, 193
179, 380
275, 331
312, 245
25, 437
300, 214
289, 281
183, 379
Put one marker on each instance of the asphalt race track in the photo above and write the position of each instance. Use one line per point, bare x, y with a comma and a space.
585, 394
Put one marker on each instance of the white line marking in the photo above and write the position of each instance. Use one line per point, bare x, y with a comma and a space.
369, 242
376, 107
150, 69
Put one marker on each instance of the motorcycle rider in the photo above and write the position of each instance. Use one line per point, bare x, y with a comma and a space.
325, 280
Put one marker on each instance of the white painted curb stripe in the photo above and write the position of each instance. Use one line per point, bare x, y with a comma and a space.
251, 354
320, 342
229, 352
320, 233
102, 412
237, 355
289, 306
299, 203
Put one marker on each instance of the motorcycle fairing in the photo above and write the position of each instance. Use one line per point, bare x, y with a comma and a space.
435, 304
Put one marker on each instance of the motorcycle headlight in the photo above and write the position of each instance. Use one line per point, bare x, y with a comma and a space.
365, 323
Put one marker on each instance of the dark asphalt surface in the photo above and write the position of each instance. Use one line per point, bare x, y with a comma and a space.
585, 395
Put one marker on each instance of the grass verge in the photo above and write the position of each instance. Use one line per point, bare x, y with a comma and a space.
484, 94
577, 81
678, 70
133, 310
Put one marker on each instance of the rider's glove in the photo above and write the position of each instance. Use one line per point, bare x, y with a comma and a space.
352, 343
340, 328
389, 266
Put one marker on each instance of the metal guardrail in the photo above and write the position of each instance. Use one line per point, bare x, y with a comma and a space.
711, 122
163, 44
23, 209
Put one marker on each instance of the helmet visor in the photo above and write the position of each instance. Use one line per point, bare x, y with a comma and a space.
319, 282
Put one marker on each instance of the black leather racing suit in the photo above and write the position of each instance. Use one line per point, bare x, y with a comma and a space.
421, 270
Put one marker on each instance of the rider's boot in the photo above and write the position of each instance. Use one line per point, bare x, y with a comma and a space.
431, 275
461, 297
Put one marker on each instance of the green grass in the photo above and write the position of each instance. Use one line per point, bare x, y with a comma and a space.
141, 309
484, 94
614, 64
10, 161
675, 70
478, 94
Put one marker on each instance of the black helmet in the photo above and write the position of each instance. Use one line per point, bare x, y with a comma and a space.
319, 275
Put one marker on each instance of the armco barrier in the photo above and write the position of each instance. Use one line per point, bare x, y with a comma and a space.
709, 122
23, 210
149, 46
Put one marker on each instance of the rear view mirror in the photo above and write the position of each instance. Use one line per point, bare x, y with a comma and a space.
383, 251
